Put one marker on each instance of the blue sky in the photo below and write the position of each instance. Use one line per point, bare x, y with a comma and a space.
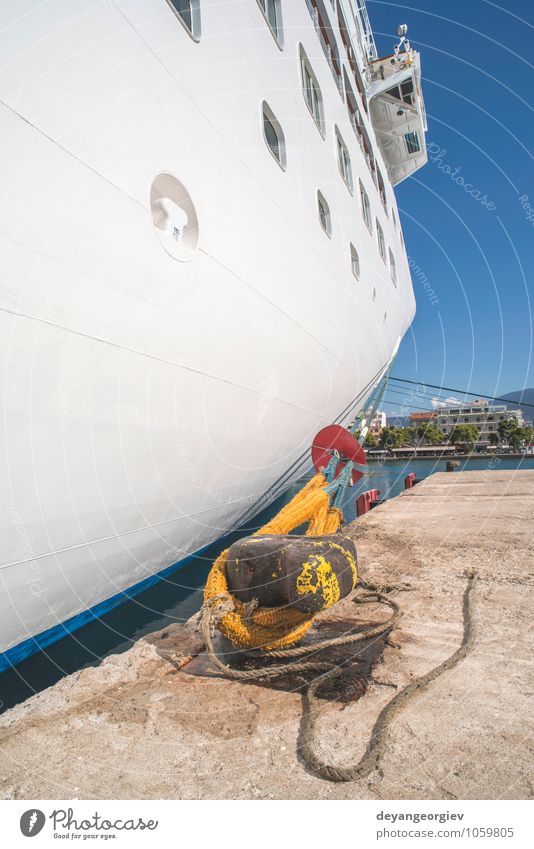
476, 249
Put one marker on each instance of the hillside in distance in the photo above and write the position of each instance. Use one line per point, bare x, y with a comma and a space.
523, 398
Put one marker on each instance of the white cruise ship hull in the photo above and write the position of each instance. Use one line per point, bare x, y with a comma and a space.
149, 403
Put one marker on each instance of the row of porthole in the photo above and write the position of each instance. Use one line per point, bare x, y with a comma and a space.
275, 140
325, 220
354, 256
176, 223
188, 12
355, 265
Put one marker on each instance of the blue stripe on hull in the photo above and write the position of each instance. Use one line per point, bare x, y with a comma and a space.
16, 654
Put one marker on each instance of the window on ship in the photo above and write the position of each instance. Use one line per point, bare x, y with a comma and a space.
274, 136
381, 240
412, 142
354, 261
366, 208
273, 15
343, 160
403, 92
312, 92
381, 189
188, 12
392, 266
324, 214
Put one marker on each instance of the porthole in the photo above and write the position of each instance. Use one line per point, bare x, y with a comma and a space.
366, 208
272, 13
188, 13
312, 92
274, 136
174, 217
324, 214
381, 241
354, 261
343, 160
392, 267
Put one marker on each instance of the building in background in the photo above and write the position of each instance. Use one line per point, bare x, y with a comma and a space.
378, 422
397, 420
484, 416
426, 417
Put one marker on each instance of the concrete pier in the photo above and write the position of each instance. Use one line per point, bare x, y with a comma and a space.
157, 722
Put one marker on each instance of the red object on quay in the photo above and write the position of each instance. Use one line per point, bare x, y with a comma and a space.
410, 480
336, 438
366, 501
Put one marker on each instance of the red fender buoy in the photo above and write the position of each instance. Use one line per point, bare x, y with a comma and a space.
336, 438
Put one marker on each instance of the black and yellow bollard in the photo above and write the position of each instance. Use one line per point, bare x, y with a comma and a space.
305, 573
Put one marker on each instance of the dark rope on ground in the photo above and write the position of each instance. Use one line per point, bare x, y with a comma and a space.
219, 606
377, 741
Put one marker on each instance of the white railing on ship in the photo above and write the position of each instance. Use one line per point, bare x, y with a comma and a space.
422, 108
361, 47
327, 50
367, 32
361, 35
354, 28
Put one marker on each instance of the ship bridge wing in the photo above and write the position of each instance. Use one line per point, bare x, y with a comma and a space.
398, 112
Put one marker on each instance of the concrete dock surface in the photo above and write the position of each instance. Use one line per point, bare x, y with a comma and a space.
158, 722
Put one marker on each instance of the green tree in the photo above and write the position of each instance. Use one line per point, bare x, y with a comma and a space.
465, 436
528, 433
391, 437
494, 438
429, 434
512, 434
370, 440
407, 436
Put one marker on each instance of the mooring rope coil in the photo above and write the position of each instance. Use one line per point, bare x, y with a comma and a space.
308, 729
271, 628
251, 628
210, 614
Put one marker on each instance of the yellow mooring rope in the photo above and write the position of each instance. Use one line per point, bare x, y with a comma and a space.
272, 628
